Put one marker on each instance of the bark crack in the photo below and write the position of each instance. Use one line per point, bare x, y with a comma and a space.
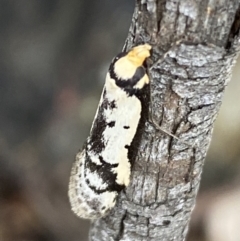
121, 227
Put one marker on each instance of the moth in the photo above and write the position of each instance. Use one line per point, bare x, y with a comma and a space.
102, 169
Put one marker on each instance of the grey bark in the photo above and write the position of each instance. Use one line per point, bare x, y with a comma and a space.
187, 89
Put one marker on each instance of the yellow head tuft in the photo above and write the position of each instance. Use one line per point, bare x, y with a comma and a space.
138, 54
126, 66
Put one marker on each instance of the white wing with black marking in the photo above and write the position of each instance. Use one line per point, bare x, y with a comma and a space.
103, 167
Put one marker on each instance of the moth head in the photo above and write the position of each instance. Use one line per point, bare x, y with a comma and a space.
138, 54
127, 71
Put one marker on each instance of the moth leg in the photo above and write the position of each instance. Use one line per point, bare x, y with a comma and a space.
159, 128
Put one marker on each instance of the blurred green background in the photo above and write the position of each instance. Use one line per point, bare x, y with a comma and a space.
54, 55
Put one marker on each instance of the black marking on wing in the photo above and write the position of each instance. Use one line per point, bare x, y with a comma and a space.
128, 84
105, 173
106, 163
111, 124
126, 127
106, 103
96, 141
112, 104
139, 73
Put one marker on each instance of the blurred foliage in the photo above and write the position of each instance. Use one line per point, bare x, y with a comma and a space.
53, 59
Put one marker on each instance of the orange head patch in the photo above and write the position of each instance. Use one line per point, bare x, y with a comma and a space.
138, 54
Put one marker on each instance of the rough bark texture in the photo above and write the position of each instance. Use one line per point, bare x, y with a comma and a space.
187, 89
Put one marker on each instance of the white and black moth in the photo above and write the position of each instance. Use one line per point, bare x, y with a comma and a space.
102, 169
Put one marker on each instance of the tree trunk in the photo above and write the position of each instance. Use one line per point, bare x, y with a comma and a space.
186, 90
